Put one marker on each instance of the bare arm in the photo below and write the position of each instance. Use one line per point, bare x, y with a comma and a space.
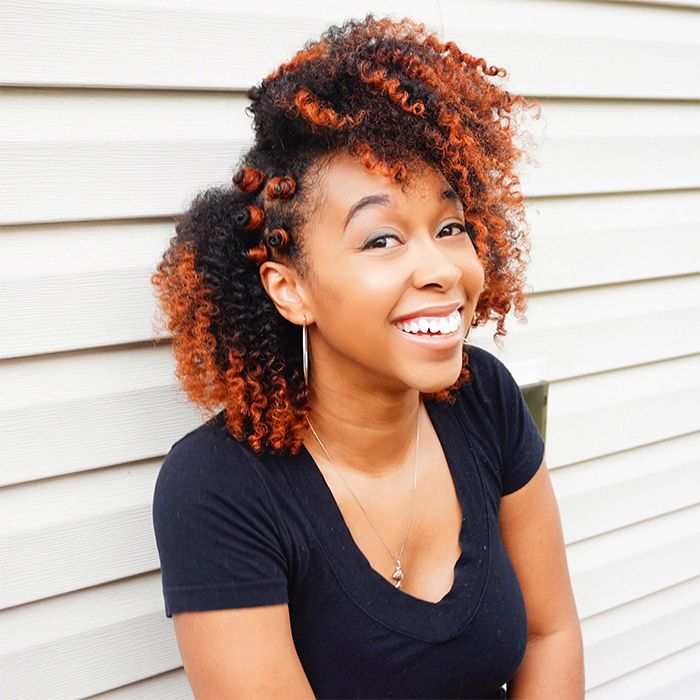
241, 653
552, 668
530, 526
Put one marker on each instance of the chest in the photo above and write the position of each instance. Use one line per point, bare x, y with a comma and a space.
431, 547
356, 635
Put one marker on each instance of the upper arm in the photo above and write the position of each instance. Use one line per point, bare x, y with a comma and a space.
241, 653
225, 558
529, 521
218, 535
531, 532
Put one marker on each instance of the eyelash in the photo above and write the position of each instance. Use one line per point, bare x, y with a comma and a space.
370, 244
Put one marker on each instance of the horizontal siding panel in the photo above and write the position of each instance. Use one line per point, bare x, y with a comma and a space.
675, 4
85, 529
633, 635
91, 409
166, 44
650, 480
579, 42
91, 288
596, 147
172, 685
599, 414
580, 242
675, 676
598, 329
635, 561
79, 155
182, 45
86, 642
87, 181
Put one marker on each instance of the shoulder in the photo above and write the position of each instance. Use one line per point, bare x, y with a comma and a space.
492, 384
479, 401
494, 406
486, 367
220, 539
205, 468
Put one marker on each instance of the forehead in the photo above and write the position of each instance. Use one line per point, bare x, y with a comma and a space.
345, 179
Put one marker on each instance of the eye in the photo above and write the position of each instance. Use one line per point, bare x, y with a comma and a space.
465, 228
461, 227
370, 244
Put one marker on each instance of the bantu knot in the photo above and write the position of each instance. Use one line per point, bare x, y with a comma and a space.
248, 180
280, 187
248, 216
258, 254
277, 238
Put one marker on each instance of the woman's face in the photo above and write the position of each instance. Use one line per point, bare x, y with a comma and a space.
376, 260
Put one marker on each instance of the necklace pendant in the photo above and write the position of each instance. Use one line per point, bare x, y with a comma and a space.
398, 575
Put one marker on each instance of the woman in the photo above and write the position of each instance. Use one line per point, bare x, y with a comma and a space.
370, 515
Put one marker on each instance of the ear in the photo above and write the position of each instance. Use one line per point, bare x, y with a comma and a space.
287, 292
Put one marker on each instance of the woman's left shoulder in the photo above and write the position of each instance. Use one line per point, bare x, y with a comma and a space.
516, 437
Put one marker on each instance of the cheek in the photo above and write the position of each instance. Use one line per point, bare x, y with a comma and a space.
372, 293
473, 276
342, 308
355, 315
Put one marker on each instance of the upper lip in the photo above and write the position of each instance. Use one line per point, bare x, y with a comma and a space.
443, 310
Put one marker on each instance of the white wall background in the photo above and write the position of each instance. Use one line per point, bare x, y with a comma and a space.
114, 114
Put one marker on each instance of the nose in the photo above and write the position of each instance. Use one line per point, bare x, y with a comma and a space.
435, 263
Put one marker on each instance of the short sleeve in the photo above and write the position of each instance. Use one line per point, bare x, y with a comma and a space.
523, 446
217, 538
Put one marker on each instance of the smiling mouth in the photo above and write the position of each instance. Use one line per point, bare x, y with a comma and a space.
432, 326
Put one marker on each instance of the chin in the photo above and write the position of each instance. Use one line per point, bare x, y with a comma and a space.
437, 381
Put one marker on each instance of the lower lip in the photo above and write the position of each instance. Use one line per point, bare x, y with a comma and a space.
435, 342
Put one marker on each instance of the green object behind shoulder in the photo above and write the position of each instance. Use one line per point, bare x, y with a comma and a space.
535, 396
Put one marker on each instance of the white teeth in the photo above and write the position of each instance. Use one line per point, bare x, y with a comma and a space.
444, 325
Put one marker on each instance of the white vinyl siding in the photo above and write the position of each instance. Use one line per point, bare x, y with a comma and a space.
113, 115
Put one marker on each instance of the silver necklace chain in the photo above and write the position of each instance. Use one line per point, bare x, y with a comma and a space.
398, 574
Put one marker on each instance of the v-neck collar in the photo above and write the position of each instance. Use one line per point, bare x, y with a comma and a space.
377, 597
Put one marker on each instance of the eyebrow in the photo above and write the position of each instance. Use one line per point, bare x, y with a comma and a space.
383, 199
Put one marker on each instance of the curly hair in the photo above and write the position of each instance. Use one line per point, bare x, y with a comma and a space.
387, 92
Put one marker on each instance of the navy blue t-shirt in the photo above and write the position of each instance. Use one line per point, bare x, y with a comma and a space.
237, 530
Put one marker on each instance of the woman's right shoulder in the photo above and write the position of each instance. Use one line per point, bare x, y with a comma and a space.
219, 536
207, 460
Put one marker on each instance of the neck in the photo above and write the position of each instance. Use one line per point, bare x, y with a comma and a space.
365, 433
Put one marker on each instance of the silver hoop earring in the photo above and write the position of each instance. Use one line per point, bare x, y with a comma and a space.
305, 352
